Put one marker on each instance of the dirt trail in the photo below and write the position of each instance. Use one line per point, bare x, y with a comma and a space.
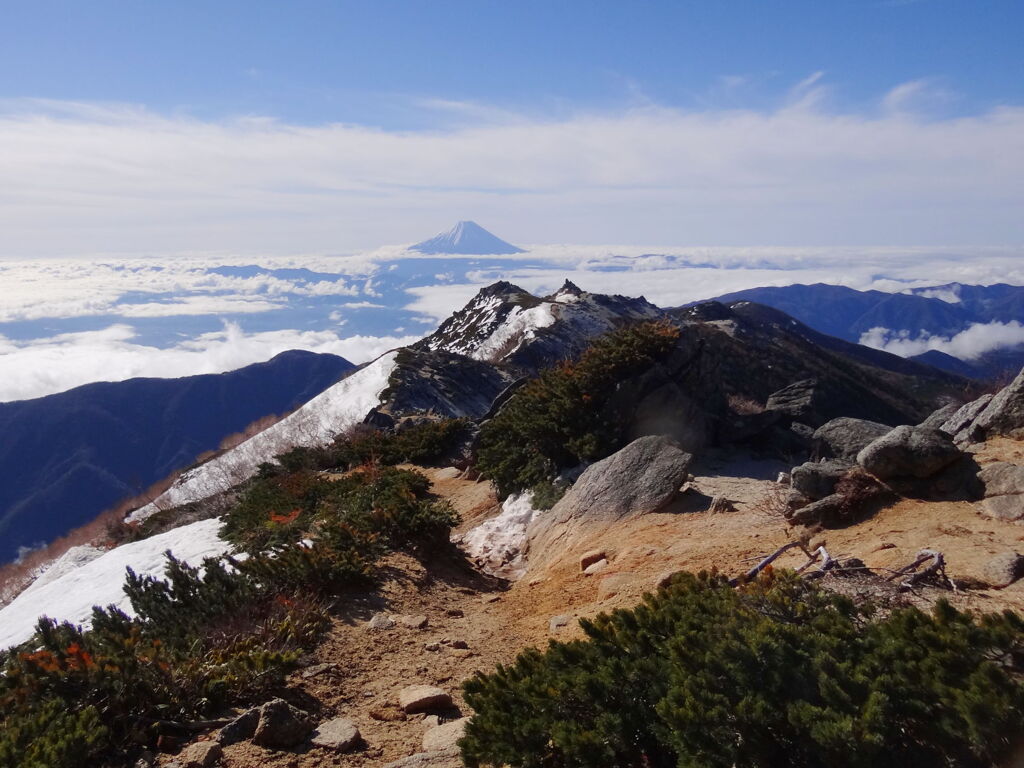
495, 620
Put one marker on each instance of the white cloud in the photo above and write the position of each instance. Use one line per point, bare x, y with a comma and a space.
47, 365
86, 178
969, 344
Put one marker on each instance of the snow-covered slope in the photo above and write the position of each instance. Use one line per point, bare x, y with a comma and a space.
466, 238
71, 593
316, 423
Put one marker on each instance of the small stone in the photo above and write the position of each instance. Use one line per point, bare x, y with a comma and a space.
492, 598
444, 736
422, 698
239, 729
315, 670
340, 734
281, 725
462, 653
589, 558
558, 621
455, 613
884, 545
202, 754
413, 622
459, 644
721, 504
381, 621
388, 714
616, 584
595, 568
432, 647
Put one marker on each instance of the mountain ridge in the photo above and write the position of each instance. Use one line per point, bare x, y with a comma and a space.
69, 456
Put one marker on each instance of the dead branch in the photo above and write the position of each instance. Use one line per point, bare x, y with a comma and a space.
765, 563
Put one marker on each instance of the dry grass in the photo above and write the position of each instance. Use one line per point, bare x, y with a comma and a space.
742, 405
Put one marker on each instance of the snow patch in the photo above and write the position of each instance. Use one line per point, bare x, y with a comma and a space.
315, 423
497, 544
71, 594
520, 325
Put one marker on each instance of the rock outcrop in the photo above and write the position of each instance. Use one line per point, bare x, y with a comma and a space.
914, 452
845, 437
639, 479
817, 479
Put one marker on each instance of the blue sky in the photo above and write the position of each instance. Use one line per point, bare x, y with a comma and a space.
152, 152
376, 63
160, 128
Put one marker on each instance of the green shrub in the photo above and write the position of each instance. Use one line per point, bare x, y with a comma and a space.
204, 638
51, 736
779, 672
419, 442
560, 419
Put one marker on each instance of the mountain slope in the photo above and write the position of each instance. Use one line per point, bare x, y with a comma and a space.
67, 457
505, 335
938, 311
466, 237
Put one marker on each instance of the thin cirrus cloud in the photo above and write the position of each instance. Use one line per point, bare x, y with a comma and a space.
44, 366
92, 178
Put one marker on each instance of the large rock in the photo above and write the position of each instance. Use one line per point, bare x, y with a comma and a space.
1004, 415
845, 437
940, 416
1009, 508
821, 512
817, 479
798, 401
281, 725
339, 734
961, 425
1002, 570
641, 478
1002, 479
422, 698
444, 736
909, 452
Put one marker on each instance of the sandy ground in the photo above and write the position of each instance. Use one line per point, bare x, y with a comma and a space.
495, 619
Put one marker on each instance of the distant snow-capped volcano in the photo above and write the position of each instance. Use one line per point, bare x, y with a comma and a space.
466, 237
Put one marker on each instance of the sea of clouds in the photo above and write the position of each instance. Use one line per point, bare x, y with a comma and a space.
66, 322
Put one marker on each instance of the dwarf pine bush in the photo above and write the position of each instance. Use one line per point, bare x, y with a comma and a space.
560, 419
205, 638
777, 673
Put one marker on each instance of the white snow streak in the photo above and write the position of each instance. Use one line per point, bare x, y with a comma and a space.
519, 325
497, 544
315, 423
72, 594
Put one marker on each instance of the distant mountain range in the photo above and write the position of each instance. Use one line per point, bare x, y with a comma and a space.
466, 238
67, 457
938, 311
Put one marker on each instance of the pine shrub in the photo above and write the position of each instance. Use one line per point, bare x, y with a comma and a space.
778, 672
560, 419
203, 638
